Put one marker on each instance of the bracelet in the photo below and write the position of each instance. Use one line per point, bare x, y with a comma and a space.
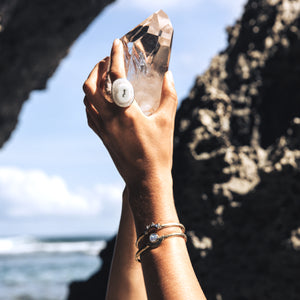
154, 241
156, 227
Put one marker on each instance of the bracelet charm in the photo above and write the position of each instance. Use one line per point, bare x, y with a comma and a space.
153, 238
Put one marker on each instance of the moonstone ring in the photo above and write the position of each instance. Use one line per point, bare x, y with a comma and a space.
122, 92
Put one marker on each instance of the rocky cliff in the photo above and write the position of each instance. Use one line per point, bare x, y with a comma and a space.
34, 36
237, 161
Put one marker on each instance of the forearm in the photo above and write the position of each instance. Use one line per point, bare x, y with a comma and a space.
151, 200
168, 272
126, 277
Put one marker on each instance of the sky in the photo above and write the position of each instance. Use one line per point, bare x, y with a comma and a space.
56, 178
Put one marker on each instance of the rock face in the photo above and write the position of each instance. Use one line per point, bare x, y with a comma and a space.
237, 161
34, 36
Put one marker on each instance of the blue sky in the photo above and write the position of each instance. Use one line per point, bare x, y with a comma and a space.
55, 175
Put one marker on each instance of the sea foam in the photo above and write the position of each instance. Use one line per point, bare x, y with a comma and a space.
21, 245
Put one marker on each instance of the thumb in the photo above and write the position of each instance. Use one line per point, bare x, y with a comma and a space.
169, 101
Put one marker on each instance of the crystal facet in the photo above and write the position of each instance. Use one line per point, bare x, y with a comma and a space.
147, 50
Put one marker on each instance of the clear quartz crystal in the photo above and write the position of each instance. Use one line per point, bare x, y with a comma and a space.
147, 50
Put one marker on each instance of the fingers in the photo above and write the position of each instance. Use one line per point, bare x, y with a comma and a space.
169, 99
94, 89
92, 84
117, 67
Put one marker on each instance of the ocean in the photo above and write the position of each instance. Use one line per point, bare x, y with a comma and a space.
34, 268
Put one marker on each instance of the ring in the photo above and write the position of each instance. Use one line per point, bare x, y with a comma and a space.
122, 92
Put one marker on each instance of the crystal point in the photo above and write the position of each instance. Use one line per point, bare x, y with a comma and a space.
147, 50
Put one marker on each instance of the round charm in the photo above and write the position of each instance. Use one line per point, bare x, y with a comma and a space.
153, 238
122, 92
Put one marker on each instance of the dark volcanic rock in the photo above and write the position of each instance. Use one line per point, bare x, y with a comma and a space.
34, 36
237, 159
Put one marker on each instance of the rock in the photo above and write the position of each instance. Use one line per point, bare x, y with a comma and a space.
237, 159
34, 36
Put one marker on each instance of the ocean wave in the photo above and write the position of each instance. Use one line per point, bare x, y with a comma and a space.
21, 245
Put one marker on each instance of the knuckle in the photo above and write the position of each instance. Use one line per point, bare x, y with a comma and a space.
128, 121
103, 62
85, 101
87, 87
89, 121
164, 121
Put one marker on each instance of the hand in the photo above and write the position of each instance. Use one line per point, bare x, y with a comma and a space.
140, 146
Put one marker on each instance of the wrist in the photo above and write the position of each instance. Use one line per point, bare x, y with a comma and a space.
152, 200
156, 187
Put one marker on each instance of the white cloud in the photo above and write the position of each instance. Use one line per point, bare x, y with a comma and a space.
109, 195
34, 193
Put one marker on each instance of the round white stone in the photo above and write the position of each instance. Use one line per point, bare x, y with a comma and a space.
153, 237
122, 92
